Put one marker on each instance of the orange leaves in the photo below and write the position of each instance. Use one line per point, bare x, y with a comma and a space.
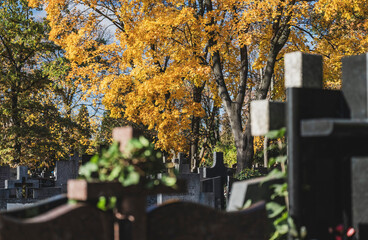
344, 26
159, 51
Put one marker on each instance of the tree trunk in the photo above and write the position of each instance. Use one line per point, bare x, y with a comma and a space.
194, 161
244, 141
16, 127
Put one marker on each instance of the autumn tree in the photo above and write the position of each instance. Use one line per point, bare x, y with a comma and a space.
166, 53
342, 27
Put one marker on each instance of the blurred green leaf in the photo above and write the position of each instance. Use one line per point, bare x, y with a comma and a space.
274, 134
274, 209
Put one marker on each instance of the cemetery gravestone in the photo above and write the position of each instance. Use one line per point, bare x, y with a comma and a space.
181, 164
218, 169
325, 129
206, 188
65, 170
359, 167
253, 190
22, 185
212, 192
4, 175
193, 190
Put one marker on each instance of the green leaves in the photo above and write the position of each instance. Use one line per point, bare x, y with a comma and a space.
274, 134
106, 203
88, 169
274, 209
140, 163
248, 174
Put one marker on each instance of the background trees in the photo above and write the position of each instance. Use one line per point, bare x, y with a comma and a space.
32, 123
22, 44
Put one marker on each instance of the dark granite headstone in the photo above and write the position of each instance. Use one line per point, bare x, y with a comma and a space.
193, 192
215, 187
359, 167
218, 168
184, 221
325, 129
22, 186
254, 190
4, 175
65, 170
22, 172
181, 164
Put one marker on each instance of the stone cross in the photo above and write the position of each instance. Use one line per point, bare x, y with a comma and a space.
325, 128
124, 134
22, 184
355, 89
218, 169
266, 116
132, 205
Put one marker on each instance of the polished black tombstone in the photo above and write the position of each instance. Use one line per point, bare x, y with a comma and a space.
325, 130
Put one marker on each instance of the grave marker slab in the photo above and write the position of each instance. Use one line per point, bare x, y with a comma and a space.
22, 172
65, 170
193, 191
359, 167
181, 164
255, 190
212, 192
355, 84
4, 175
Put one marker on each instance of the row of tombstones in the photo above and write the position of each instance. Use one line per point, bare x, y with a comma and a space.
212, 186
206, 187
21, 189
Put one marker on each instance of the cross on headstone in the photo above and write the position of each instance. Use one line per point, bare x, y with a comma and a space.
355, 89
218, 169
124, 134
23, 187
22, 184
266, 116
132, 205
325, 129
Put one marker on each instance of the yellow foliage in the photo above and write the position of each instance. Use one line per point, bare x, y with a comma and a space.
159, 51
